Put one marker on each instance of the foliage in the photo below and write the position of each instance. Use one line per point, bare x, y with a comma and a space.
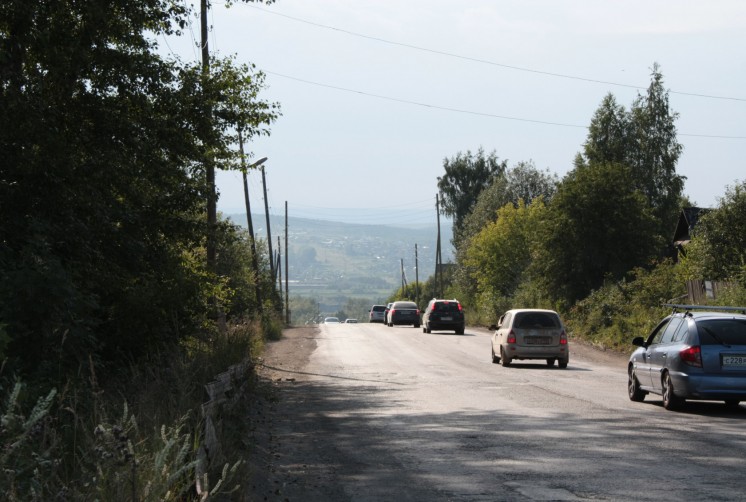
502, 252
620, 310
466, 175
599, 227
645, 140
718, 250
102, 184
82, 444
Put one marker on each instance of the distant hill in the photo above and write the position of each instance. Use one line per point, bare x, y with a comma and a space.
334, 260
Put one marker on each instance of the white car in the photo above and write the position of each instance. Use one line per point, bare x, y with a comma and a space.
331, 320
530, 334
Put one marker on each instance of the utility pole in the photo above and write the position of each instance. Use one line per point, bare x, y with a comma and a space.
416, 276
438, 257
287, 293
279, 269
269, 233
254, 259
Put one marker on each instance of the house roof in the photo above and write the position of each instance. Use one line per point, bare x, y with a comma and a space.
687, 221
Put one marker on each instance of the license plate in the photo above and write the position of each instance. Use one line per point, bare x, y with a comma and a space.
538, 340
734, 360
446, 318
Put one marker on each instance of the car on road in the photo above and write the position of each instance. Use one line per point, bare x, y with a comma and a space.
386, 313
404, 312
443, 315
350, 321
530, 334
696, 353
377, 313
331, 320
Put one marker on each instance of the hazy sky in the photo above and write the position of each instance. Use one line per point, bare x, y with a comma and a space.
376, 93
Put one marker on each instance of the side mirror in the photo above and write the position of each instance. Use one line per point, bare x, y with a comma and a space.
638, 341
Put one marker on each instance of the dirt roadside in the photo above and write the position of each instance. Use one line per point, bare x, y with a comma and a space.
289, 460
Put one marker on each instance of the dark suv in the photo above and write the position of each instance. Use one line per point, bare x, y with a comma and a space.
443, 315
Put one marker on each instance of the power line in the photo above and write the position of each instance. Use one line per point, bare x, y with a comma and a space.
469, 112
488, 62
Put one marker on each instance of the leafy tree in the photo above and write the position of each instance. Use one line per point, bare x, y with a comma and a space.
718, 250
466, 176
608, 134
599, 227
102, 186
656, 152
645, 140
499, 256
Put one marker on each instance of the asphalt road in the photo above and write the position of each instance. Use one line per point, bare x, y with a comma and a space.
369, 412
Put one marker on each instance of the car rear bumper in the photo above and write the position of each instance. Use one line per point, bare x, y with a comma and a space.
539, 352
713, 387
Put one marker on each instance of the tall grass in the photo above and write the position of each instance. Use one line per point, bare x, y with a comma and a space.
135, 436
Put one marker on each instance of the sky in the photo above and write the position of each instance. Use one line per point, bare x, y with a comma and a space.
375, 94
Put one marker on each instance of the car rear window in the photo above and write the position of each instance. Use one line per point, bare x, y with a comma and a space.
379, 308
404, 305
722, 331
446, 306
528, 320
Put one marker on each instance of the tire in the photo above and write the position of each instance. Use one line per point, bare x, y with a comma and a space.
732, 403
424, 330
670, 400
505, 361
562, 364
633, 387
427, 328
391, 325
550, 361
460, 331
495, 359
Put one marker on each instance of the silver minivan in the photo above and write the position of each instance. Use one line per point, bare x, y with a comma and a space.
530, 334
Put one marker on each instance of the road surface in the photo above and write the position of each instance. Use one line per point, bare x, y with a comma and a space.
365, 412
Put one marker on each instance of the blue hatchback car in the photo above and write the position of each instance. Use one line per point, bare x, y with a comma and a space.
696, 353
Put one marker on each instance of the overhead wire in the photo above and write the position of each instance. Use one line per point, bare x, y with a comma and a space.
488, 62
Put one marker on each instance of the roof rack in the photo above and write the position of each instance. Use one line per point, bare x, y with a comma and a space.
676, 307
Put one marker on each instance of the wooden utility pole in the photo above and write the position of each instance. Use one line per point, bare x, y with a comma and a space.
287, 292
209, 167
269, 232
438, 257
254, 259
279, 271
416, 276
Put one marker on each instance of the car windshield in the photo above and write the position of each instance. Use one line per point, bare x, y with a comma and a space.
722, 332
528, 320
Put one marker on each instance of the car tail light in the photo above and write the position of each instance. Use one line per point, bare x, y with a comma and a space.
459, 307
418, 311
691, 356
511, 336
563, 338
392, 311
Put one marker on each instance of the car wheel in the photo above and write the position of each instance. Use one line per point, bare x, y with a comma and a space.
550, 361
505, 361
633, 386
495, 359
424, 330
460, 331
427, 328
732, 403
563, 364
670, 400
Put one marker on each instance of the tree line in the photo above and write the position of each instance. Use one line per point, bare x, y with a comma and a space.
524, 237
